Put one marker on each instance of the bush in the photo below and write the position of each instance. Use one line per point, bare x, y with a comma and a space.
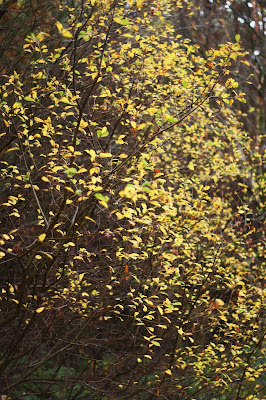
127, 265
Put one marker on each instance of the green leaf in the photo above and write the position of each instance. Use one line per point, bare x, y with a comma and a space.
26, 177
172, 120
100, 196
28, 98
237, 37
102, 199
121, 21
103, 132
70, 172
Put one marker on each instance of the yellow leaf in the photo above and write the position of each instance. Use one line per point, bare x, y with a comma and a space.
191, 166
168, 372
42, 237
223, 318
180, 331
92, 154
160, 310
129, 192
64, 32
81, 277
39, 310
103, 155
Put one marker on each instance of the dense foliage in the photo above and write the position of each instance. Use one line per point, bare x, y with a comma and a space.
132, 208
